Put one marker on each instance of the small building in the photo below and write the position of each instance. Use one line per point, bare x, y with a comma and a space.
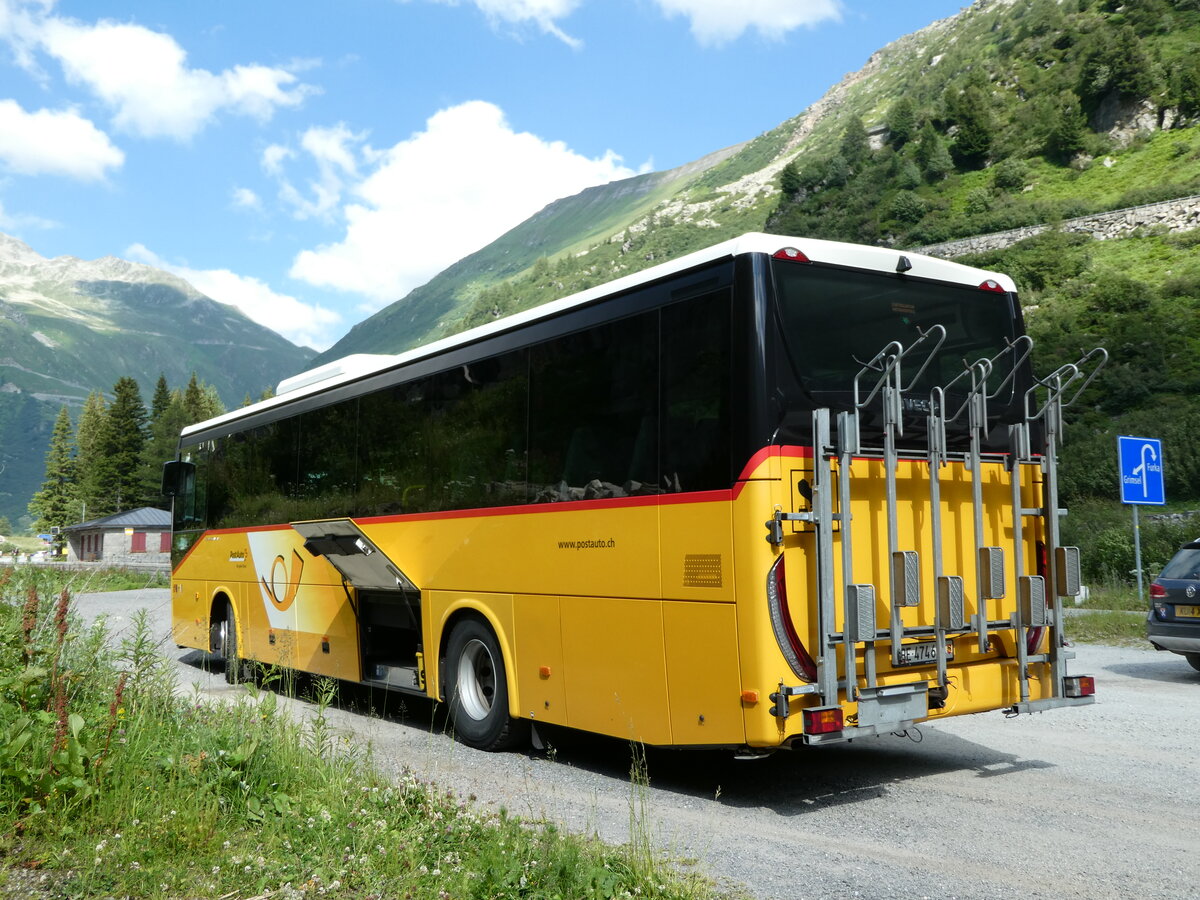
138, 537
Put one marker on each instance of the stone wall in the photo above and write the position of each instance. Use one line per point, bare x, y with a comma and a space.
1181, 214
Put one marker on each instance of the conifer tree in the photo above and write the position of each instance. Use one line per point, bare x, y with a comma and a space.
901, 122
161, 399
125, 439
90, 462
856, 145
55, 504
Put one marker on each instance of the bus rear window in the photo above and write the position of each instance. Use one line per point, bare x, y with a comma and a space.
836, 320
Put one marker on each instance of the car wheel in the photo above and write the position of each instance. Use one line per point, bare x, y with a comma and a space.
477, 689
1193, 660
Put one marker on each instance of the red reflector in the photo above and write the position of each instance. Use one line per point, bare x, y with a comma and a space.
793, 254
823, 720
1079, 685
991, 285
1157, 591
1033, 640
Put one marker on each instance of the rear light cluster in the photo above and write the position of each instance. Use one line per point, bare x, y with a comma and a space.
992, 285
823, 720
1157, 591
1079, 686
781, 623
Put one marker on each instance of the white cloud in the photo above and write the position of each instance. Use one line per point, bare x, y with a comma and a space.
301, 323
15, 223
274, 157
143, 76
716, 22
333, 152
542, 13
54, 142
444, 193
244, 198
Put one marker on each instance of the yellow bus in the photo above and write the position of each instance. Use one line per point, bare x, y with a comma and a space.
780, 491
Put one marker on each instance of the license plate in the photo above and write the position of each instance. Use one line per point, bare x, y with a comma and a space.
1187, 612
923, 653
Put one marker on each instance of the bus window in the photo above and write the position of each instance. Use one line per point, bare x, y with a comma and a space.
696, 375
476, 432
593, 412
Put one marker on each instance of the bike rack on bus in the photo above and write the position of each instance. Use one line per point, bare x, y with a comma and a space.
893, 705
1059, 390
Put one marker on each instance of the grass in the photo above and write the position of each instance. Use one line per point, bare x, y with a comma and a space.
113, 783
1110, 626
1112, 615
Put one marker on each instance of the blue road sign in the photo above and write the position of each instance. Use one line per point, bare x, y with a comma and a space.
1140, 462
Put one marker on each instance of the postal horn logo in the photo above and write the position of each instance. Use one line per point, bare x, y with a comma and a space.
283, 584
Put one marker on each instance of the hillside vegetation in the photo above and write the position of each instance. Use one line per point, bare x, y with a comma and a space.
1012, 113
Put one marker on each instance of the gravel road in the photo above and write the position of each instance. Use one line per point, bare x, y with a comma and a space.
1098, 801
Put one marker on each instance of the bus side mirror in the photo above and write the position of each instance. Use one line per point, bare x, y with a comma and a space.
176, 476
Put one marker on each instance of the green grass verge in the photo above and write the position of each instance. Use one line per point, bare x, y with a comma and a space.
1113, 627
113, 783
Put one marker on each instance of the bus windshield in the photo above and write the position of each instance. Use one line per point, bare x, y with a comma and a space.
834, 321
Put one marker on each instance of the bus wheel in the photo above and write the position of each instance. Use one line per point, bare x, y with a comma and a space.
1193, 660
477, 689
235, 671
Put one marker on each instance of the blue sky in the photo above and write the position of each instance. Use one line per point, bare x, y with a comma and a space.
312, 162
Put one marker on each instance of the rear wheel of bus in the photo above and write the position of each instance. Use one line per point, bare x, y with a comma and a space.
477, 689
235, 667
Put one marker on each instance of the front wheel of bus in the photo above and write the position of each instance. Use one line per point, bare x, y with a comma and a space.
477, 689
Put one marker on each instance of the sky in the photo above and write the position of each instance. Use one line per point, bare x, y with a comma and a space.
312, 162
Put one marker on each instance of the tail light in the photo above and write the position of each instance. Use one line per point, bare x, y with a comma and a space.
1157, 591
1079, 686
781, 623
992, 285
823, 720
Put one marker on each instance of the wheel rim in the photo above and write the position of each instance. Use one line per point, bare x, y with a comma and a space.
476, 680
223, 637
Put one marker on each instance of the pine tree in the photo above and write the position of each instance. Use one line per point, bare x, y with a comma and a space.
90, 463
125, 438
932, 155
55, 504
902, 122
856, 145
789, 180
161, 399
162, 440
973, 142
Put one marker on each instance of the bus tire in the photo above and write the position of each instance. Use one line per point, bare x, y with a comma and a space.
235, 670
1193, 660
477, 689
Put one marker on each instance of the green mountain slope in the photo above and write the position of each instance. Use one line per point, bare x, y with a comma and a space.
69, 327
565, 226
1013, 112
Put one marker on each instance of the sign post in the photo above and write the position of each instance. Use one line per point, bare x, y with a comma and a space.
1140, 463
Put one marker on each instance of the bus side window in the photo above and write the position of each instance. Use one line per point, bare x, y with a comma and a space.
476, 431
593, 412
696, 373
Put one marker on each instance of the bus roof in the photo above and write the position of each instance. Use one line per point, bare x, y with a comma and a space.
857, 256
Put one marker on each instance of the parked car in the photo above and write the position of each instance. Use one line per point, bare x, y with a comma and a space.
1173, 622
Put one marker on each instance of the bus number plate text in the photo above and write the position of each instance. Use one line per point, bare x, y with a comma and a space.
923, 653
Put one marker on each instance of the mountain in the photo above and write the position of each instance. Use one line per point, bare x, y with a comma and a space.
69, 327
1013, 112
